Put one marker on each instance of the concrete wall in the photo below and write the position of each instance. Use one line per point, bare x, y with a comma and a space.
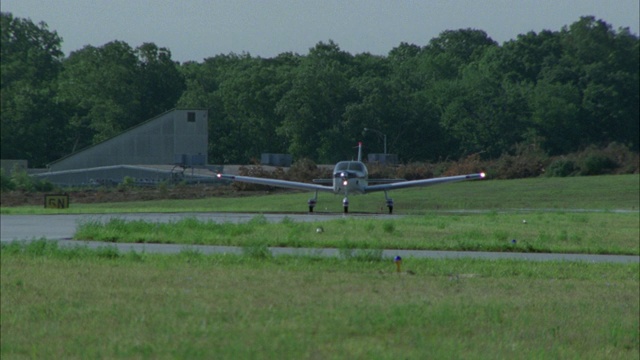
112, 175
154, 142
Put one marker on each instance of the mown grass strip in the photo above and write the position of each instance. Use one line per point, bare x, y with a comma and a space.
593, 233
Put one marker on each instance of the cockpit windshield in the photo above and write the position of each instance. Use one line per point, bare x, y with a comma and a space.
351, 165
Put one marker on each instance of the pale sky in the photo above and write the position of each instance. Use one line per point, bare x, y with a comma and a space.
198, 29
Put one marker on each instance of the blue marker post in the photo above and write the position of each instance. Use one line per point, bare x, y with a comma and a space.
398, 261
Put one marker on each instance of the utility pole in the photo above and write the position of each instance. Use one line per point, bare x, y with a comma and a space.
384, 136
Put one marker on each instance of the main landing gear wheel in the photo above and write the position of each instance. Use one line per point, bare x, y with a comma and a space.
312, 202
345, 205
389, 202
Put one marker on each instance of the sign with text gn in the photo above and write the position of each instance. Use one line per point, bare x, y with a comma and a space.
56, 201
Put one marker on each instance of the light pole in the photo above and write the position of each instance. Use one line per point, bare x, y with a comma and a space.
383, 136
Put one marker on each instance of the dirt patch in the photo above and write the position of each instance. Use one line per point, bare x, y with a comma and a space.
105, 195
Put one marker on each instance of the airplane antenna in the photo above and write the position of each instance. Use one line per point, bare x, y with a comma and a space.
360, 151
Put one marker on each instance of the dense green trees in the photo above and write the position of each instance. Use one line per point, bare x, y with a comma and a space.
460, 94
52, 105
113, 87
30, 64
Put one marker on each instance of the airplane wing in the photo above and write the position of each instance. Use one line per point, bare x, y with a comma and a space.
423, 182
276, 182
385, 181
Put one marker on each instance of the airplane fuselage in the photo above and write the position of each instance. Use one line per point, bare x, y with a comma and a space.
350, 177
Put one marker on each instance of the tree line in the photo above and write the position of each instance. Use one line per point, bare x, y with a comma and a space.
460, 94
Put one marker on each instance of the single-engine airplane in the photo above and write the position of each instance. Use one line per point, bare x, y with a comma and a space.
350, 178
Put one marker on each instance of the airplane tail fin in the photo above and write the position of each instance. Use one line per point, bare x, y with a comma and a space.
360, 151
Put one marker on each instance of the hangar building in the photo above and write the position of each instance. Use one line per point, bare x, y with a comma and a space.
148, 151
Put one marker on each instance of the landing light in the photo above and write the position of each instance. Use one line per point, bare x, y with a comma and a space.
219, 176
482, 175
345, 182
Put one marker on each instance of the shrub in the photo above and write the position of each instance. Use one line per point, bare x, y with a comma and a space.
382, 171
561, 167
303, 170
529, 161
128, 181
43, 185
471, 164
5, 182
415, 170
626, 160
163, 187
595, 161
597, 164
21, 180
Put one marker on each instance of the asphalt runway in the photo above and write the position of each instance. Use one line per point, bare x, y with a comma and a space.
61, 228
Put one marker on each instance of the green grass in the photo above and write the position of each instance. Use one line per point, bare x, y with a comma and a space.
596, 233
589, 192
80, 303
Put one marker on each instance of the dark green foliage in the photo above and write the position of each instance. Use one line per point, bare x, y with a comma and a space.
20, 180
613, 159
5, 182
528, 161
519, 166
626, 161
127, 183
32, 120
43, 185
595, 161
595, 164
460, 95
561, 167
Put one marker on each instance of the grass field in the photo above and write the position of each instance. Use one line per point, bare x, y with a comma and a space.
79, 303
